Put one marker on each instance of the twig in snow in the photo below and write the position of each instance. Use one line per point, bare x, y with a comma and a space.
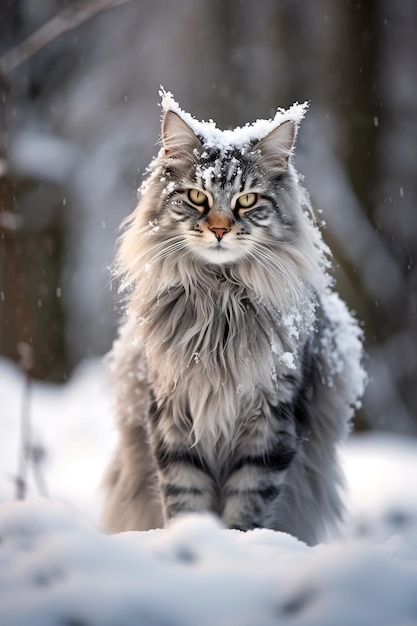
26, 362
37, 456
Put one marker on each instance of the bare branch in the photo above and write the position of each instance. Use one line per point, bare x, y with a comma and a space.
69, 18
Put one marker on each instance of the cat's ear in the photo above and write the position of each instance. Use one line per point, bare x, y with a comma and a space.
178, 138
276, 147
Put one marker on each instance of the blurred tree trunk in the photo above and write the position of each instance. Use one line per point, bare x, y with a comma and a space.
394, 209
31, 240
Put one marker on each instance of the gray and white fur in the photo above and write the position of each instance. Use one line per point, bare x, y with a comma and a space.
237, 368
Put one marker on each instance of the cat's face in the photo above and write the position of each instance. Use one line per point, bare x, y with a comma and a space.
227, 204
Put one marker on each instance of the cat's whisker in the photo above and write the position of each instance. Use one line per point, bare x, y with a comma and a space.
259, 260
165, 242
267, 253
168, 251
274, 261
151, 254
184, 254
272, 265
286, 242
171, 238
278, 277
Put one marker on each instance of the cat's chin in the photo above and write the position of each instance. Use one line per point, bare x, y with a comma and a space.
218, 255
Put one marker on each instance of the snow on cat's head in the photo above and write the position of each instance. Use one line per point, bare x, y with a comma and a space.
239, 137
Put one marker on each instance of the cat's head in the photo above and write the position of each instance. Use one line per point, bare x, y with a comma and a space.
223, 199
228, 199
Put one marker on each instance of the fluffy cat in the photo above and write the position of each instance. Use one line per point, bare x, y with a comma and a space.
237, 368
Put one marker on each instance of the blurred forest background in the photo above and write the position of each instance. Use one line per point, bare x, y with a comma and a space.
80, 120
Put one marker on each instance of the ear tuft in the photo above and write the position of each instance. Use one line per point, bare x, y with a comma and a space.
277, 146
178, 139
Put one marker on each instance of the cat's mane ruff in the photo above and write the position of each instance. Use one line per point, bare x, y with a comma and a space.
149, 282
148, 276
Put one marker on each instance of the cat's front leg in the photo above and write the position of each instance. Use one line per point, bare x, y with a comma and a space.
252, 491
186, 482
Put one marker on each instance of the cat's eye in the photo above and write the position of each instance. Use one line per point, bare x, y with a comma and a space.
197, 197
246, 201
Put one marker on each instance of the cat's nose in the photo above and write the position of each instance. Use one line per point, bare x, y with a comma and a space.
219, 232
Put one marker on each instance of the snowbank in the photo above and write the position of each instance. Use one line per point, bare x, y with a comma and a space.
55, 568
72, 422
58, 568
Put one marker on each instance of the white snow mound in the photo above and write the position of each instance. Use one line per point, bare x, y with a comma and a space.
56, 568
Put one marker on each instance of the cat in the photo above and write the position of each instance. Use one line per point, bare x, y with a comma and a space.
238, 368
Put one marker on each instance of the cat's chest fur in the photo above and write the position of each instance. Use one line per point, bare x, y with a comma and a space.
218, 354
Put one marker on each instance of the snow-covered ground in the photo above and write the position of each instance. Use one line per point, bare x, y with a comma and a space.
57, 568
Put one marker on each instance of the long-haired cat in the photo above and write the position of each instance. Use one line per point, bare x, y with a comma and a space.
237, 368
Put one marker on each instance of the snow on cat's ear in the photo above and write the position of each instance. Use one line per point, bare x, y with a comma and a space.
178, 139
277, 146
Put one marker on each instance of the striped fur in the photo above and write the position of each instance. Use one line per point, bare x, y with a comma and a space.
237, 368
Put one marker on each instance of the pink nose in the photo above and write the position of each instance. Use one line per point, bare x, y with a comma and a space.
219, 232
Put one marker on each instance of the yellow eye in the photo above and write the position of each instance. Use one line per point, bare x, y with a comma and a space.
197, 197
247, 200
